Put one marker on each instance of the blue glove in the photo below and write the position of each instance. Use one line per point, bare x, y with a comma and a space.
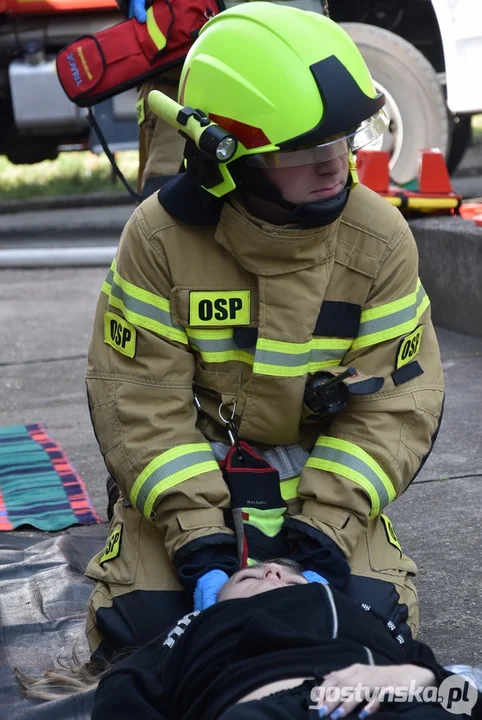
137, 9
312, 576
207, 588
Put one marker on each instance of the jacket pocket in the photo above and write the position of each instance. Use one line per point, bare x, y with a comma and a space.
220, 386
116, 563
107, 428
385, 551
200, 519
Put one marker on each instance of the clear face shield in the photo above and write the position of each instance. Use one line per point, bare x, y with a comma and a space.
366, 133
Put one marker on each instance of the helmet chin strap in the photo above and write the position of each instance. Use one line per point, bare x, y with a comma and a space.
304, 215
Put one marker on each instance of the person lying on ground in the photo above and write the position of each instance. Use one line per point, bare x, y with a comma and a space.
270, 655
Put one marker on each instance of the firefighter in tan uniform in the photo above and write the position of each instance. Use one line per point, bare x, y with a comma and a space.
236, 294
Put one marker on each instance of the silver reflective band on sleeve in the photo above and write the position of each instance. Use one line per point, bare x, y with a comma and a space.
141, 307
391, 320
352, 462
168, 470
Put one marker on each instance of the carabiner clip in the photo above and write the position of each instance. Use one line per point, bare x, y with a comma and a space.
231, 428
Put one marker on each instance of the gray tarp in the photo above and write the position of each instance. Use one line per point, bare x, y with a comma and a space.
43, 600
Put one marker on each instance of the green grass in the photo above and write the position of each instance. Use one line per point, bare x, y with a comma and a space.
82, 172
71, 173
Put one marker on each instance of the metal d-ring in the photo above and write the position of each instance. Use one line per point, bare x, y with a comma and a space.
233, 413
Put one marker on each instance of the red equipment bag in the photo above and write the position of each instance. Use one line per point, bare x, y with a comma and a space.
97, 67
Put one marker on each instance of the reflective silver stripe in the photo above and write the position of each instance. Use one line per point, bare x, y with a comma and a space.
140, 307
289, 460
183, 462
211, 346
110, 277
369, 653
354, 463
369, 327
271, 357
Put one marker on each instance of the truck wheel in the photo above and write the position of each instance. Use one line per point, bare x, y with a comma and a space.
415, 101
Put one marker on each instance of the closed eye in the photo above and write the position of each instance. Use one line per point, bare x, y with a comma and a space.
245, 577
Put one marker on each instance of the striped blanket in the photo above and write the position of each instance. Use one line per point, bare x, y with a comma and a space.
38, 486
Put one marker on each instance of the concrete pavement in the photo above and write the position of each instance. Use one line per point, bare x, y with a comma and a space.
46, 317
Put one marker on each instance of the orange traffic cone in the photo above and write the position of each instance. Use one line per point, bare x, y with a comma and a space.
433, 176
372, 167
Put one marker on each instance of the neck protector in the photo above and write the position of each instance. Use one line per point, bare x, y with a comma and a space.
183, 198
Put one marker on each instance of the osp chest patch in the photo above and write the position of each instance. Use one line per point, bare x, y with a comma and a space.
409, 347
119, 334
113, 546
219, 308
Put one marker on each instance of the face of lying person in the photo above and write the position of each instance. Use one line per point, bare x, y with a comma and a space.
260, 578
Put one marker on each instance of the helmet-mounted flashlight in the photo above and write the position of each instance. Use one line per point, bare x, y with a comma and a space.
193, 124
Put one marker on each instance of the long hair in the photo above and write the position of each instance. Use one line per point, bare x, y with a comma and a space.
76, 677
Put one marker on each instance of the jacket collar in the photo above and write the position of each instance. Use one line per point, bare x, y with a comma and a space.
266, 249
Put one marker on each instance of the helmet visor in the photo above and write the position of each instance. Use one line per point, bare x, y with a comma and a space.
367, 132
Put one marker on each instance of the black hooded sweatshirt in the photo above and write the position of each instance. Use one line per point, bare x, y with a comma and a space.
213, 658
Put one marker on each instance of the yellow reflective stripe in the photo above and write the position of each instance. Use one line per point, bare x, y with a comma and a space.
297, 371
221, 334
141, 294
107, 284
141, 307
169, 469
149, 324
301, 348
157, 37
218, 346
392, 320
269, 522
289, 488
351, 461
286, 359
391, 307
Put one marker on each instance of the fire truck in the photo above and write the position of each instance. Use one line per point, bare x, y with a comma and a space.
425, 55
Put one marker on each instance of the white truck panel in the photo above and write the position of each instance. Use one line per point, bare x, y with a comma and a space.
460, 23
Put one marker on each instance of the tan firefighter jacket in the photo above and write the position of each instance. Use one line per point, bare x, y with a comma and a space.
246, 311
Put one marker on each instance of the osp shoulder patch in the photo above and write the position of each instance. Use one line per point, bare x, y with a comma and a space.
119, 334
409, 347
214, 309
113, 546
392, 538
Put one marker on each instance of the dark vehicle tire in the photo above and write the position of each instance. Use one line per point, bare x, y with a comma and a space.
415, 100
